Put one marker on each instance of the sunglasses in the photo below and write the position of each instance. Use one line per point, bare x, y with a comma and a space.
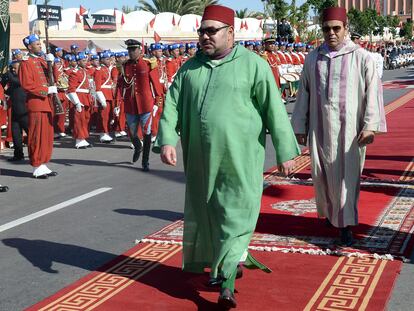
327, 29
210, 31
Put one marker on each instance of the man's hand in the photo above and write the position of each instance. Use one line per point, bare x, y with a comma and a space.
169, 155
301, 138
366, 138
286, 168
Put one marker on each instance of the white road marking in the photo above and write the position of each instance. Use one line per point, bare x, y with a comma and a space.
52, 209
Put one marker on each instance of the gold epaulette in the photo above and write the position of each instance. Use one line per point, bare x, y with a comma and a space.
153, 62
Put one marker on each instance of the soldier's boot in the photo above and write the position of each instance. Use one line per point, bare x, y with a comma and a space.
137, 148
146, 152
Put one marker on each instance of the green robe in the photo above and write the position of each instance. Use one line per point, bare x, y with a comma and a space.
221, 109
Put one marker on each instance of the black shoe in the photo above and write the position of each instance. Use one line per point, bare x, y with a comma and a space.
328, 223
52, 174
346, 236
137, 149
145, 167
15, 159
44, 176
239, 273
4, 188
227, 299
214, 282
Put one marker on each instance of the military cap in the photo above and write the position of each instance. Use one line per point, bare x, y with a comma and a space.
241, 42
74, 46
191, 45
105, 55
81, 56
132, 43
269, 40
355, 35
173, 46
16, 52
57, 60
30, 39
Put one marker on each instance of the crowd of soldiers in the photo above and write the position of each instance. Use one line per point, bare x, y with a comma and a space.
109, 93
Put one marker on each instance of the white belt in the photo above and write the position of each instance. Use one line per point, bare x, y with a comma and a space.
106, 87
82, 91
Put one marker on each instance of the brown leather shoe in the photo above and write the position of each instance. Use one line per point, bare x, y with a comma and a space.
226, 299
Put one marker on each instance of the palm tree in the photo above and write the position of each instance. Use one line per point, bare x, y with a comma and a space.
244, 13
180, 7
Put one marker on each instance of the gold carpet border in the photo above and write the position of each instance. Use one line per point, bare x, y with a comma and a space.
304, 161
105, 285
348, 286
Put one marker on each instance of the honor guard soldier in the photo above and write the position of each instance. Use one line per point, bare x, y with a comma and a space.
62, 83
118, 116
104, 96
156, 50
141, 89
173, 62
79, 95
272, 59
34, 80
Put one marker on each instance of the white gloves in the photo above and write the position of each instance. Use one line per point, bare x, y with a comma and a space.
73, 97
154, 110
52, 90
101, 98
117, 110
50, 57
79, 107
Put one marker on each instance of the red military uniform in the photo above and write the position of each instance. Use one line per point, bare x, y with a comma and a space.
79, 84
172, 66
32, 75
139, 85
302, 57
282, 58
162, 72
104, 84
274, 62
295, 59
62, 82
288, 57
120, 122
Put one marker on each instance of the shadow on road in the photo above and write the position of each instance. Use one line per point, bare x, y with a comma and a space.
170, 280
160, 214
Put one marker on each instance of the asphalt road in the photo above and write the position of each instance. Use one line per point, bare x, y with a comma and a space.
45, 254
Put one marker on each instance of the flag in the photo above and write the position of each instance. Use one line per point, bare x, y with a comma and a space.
4, 34
241, 25
245, 25
157, 38
122, 19
197, 24
82, 10
115, 13
173, 21
78, 20
152, 22
142, 43
261, 24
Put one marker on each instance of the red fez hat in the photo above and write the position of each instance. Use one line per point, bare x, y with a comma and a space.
334, 14
219, 13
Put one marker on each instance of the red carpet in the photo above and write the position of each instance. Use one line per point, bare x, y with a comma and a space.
390, 157
288, 222
148, 277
